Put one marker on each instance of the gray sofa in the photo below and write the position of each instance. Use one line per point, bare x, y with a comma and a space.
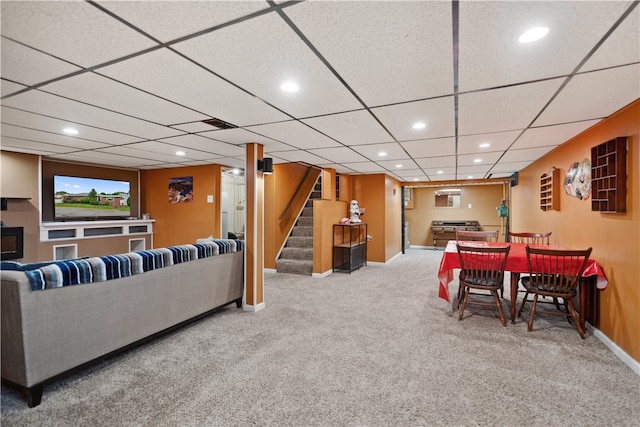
49, 333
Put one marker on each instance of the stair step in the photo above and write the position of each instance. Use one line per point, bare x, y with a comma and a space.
294, 266
302, 231
308, 211
299, 242
297, 253
305, 221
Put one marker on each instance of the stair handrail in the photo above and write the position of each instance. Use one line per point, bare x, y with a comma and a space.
295, 193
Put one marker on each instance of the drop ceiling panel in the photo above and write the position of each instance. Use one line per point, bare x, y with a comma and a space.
178, 80
503, 109
29, 146
74, 112
55, 26
437, 162
503, 168
105, 159
383, 62
486, 159
430, 147
338, 154
551, 135
141, 154
525, 154
352, 128
170, 150
394, 151
208, 145
365, 167
28, 66
165, 20
106, 93
301, 156
490, 54
295, 134
9, 87
436, 114
400, 164
594, 95
622, 47
55, 126
17, 132
282, 56
243, 136
497, 142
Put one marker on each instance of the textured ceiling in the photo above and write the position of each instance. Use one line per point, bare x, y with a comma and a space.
137, 78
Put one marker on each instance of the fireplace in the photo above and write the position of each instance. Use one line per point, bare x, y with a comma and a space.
12, 242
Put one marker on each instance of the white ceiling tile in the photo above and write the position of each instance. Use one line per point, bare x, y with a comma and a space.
383, 62
10, 87
509, 168
437, 114
365, 167
185, 83
393, 150
300, 156
282, 56
430, 147
622, 47
593, 95
486, 159
551, 136
29, 66
500, 141
47, 124
165, 20
68, 142
140, 154
352, 128
399, 164
105, 159
338, 154
490, 54
208, 145
525, 154
170, 150
82, 114
29, 146
93, 89
56, 25
508, 108
240, 136
295, 134
437, 162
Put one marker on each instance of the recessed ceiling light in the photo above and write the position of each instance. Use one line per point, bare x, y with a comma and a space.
382, 153
236, 171
289, 87
477, 160
416, 179
533, 34
398, 165
484, 145
470, 177
70, 131
180, 153
440, 172
419, 125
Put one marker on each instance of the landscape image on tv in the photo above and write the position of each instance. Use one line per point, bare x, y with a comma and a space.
90, 198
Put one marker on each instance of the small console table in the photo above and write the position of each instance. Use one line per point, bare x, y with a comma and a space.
349, 246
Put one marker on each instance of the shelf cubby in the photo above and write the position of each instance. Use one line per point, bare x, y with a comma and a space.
549, 194
609, 176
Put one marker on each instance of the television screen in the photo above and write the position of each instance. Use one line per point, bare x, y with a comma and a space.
79, 199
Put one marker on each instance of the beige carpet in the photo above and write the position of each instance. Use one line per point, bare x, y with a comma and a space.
374, 348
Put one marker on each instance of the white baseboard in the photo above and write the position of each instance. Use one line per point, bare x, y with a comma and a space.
321, 275
620, 353
253, 308
270, 270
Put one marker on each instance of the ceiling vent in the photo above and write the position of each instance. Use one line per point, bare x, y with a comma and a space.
220, 124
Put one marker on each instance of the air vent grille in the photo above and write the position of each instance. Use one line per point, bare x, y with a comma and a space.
220, 124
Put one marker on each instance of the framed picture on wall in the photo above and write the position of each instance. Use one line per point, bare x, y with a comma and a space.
181, 189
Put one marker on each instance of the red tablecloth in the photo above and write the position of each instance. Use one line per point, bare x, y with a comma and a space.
516, 263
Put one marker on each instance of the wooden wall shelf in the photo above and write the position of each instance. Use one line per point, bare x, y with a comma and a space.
609, 176
549, 194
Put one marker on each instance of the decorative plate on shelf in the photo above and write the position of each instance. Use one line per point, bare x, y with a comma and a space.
577, 182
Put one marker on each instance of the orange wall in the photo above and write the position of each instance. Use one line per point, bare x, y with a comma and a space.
483, 199
182, 223
614, 237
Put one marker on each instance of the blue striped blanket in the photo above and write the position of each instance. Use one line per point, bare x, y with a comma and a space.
56, 274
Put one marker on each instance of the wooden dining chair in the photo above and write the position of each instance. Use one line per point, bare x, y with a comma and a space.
486, 236
554, 273
530, 238
481, 269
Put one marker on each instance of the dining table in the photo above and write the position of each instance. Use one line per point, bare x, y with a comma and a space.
517, 263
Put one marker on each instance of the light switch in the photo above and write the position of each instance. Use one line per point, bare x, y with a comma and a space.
469, 205
209, 198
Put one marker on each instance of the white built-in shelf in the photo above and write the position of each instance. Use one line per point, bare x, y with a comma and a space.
74, 230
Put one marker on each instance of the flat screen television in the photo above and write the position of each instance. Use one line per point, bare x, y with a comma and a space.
82, 199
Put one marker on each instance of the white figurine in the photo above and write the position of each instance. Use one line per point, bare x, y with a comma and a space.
354, 210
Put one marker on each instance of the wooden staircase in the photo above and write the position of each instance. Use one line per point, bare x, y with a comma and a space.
297, 255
